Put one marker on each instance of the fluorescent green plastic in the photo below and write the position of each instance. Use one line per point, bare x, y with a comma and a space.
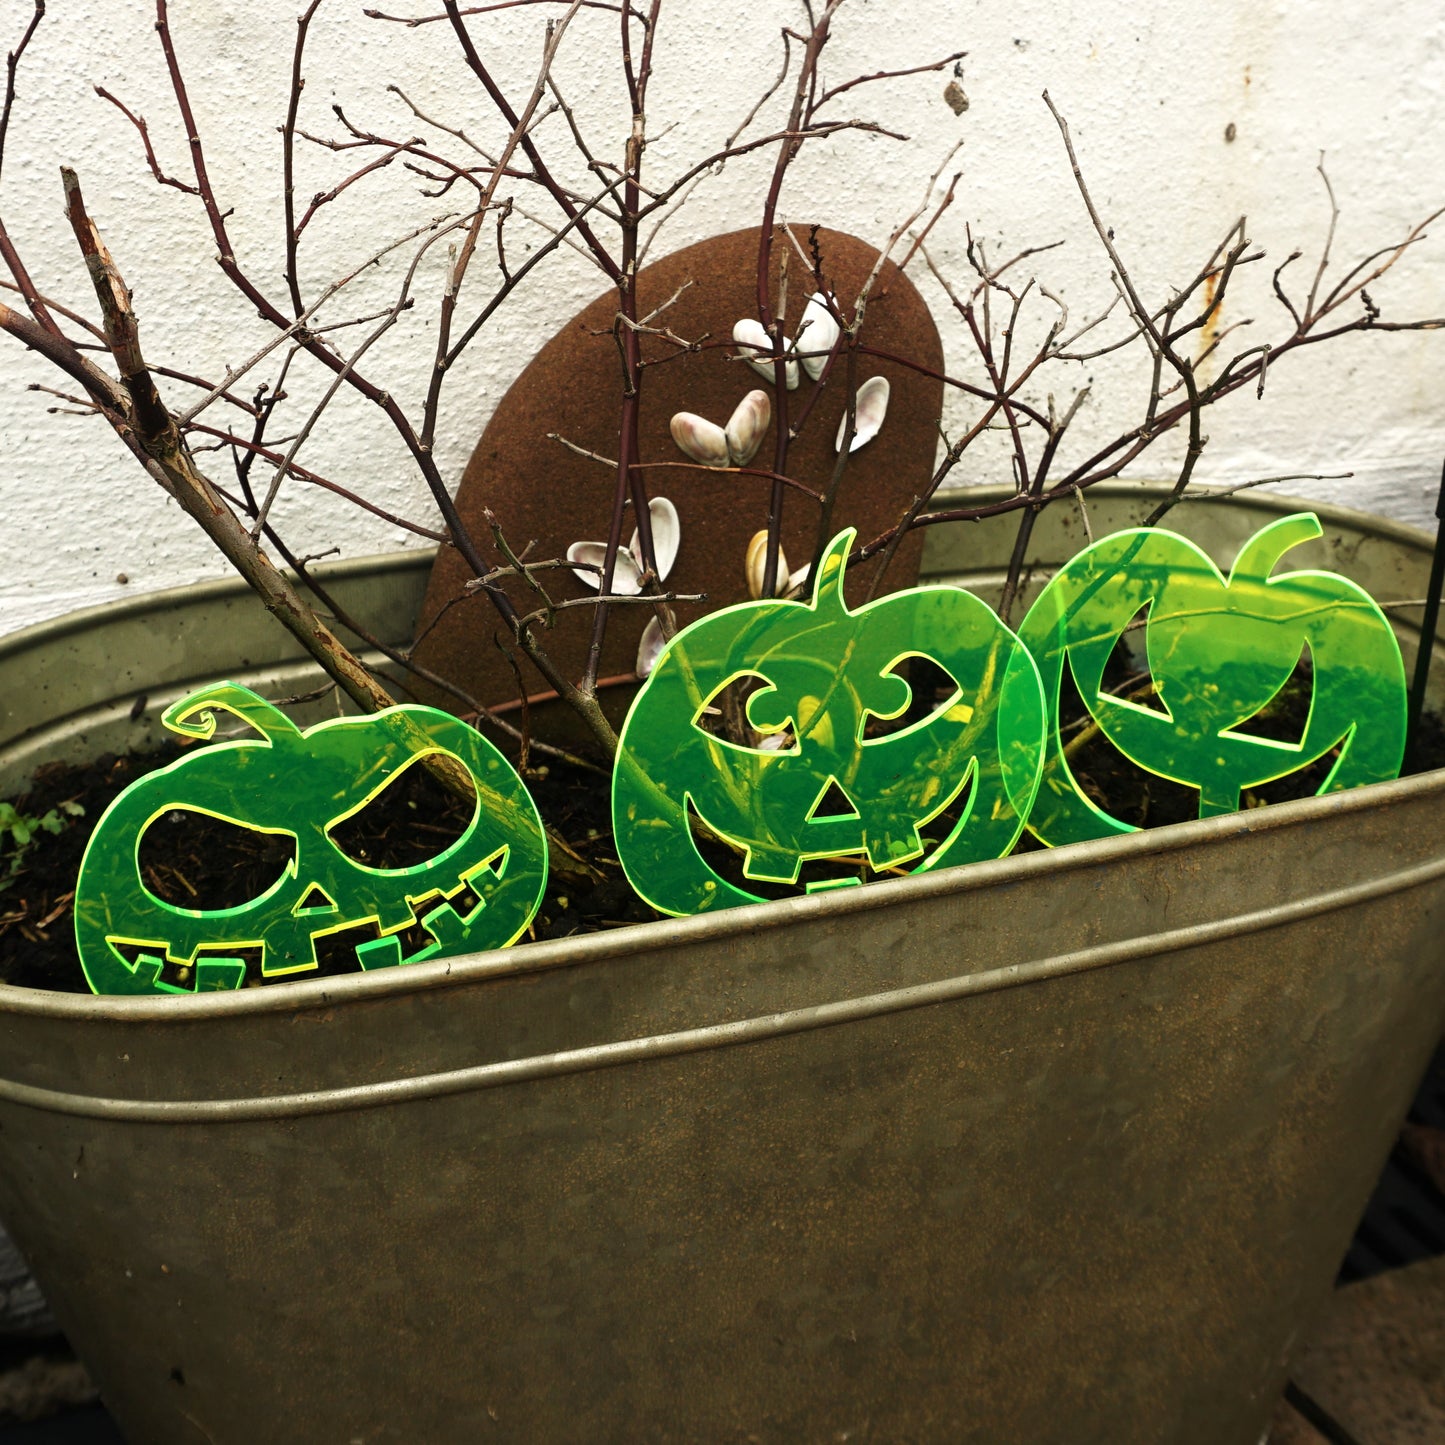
480, 892
1219, 650
824, 672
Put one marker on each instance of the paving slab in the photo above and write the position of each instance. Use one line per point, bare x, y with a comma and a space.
1376, 1362
1289, 1427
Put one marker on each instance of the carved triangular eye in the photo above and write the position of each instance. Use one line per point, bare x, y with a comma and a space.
1285, 717
1127, 675
725, 710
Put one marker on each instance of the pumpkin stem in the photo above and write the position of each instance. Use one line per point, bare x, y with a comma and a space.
828, 576
1258, 556
195, 716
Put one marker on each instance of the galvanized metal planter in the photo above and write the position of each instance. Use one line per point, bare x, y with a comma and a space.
1063, 1148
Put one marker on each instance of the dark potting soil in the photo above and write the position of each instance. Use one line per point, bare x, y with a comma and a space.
198, 862
193, 861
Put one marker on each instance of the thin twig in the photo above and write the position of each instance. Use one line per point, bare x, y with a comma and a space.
139, 123
12, 65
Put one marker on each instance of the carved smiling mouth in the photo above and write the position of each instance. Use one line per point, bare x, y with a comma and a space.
1141, 797
817, 875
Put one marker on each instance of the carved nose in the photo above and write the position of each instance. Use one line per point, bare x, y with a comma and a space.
833, 803
315, 900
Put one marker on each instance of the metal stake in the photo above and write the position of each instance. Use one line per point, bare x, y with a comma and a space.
1427, 632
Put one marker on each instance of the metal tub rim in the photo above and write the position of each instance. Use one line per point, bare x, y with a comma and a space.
81, 619
637, 939
297, 998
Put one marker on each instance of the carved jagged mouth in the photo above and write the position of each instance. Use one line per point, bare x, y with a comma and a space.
818, 874
180, 975
337, 951
341, 951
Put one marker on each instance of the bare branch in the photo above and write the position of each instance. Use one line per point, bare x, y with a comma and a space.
402, 303
60, 310
828, 95
517, 138
154, 440
411, 22
301, 473
12, 65
609, 462
139, 123
298, 328
1329, 239
1214, 494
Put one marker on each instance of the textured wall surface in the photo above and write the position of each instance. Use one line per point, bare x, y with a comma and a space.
1185, 116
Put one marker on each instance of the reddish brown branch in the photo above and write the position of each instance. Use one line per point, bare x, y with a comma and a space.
828, 95
12, 66
295, 469
139, 123
288, 157
529, 147
411, 22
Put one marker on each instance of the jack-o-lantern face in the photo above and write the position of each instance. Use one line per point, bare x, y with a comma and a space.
1219, 649
821, 673
479, 892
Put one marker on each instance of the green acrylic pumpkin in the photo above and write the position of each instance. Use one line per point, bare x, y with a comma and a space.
1219, 650
479, 892
822, 673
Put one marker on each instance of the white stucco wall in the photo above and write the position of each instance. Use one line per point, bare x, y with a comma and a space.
1150, 91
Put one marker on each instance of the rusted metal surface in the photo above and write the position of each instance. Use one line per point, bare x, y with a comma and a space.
1060, 1149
